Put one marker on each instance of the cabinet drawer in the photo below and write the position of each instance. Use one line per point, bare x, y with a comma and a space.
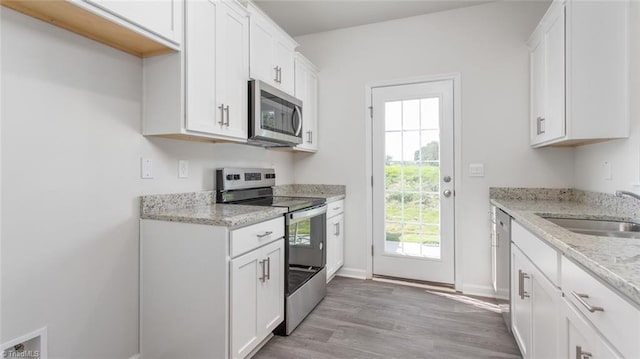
335, 208
618, 320
545, 258
248, 238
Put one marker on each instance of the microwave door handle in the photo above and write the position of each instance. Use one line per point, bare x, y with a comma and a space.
299, 129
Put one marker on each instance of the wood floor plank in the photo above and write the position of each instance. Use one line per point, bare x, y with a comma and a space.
370, 319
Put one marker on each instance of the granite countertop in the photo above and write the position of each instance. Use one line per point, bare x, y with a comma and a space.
616, 261
200, 208
331, 193
228, 215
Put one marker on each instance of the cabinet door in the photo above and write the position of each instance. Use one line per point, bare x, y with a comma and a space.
538, 94
245, 303
202, 112
331, 247
284, 57
306, 89
339, 253
232, 70
545, 298
271, 296
159, 17
262, 41
554, 123
521, 301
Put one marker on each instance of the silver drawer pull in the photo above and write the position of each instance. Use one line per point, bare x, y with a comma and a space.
267, 233
581, 354
580, 297
268, 275
336, 208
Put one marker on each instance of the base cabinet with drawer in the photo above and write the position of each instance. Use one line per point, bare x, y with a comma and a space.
559, 310
534, 301
335, 237
208, 291
257, 296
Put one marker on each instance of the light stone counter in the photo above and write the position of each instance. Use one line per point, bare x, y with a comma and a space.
199, 208
331, 193
615, 261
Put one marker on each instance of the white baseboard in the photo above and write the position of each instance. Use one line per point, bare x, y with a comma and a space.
352, 273
479, 290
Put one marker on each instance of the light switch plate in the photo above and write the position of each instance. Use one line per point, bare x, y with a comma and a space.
183, 169
146, 168
476, 170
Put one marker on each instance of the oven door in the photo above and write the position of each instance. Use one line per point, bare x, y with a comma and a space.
306, 235
275, 115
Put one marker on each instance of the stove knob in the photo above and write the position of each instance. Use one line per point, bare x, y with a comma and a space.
236, 177
229, 177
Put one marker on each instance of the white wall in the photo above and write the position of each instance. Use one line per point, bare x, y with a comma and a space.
487, 45
624, 155
71, 149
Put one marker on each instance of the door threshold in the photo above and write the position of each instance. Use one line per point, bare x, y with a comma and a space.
434, 286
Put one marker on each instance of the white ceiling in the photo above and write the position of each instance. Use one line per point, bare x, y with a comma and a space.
301, 17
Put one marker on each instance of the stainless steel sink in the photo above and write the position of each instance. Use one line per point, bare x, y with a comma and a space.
596, 227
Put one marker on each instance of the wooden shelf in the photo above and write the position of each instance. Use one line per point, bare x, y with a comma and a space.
69, 16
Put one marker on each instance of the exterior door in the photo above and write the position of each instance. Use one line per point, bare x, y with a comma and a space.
413, 187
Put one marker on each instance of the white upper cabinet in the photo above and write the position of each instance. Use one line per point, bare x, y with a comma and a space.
157, 16
141, 28
579, 73
272, 52
202, 92
306, 89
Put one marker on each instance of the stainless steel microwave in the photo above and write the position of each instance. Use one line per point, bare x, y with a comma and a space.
275, 118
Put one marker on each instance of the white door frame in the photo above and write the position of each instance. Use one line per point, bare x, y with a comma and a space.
457, 155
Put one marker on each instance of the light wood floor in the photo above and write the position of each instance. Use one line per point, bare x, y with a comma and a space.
370, 319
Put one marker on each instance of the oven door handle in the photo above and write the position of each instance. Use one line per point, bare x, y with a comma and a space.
306, 214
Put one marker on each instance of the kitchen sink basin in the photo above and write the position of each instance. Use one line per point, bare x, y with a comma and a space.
596, 227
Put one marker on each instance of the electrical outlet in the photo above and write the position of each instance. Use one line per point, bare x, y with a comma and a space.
183, 169
607, 173
146, 168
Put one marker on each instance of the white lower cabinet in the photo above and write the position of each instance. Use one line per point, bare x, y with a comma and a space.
207, 291
579, 317
335, 238
257, 296
535, 305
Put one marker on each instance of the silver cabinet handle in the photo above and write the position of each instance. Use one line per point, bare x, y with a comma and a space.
226, 109
521, 277
336, 208
268, 275
580, 297
447, 179
310, 136
221, 122
337, 229
447, 193
279, 74
582, 354
276, 69
267, 233
263, 277
540, 125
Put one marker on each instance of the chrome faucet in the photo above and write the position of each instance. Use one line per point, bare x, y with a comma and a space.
622, 194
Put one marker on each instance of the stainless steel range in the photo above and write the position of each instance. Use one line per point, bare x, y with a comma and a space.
305, 231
